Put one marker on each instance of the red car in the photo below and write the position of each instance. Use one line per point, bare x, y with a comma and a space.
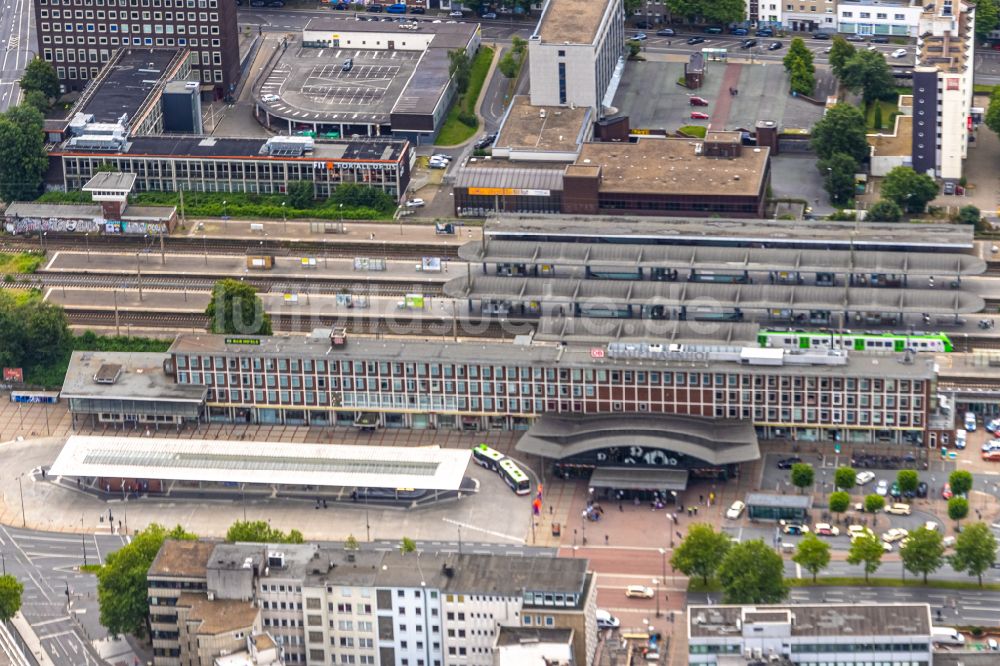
699, 115
946, 491
697, 101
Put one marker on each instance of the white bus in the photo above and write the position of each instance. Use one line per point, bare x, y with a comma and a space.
487, 457
515, 477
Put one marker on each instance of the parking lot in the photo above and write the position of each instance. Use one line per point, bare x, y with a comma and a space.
313, 85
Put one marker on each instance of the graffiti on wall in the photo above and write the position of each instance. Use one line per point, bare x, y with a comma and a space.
34, 225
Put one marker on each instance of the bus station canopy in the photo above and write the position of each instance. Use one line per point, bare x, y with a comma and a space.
263, 463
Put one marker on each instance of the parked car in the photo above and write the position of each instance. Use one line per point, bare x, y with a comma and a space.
639, 37
826, 529
748, 43
442, 156
774, 46
644, 25
894, 534
991, 456
992, 445
786, 463
880, 39
739, 32
882, 488
694, 100
795, 529
894, 491
456, 14
415, 203
970, 421
765, 32
821, 35
713, 30
948, 542
932, 525
855, 38
961, 437
922, 489
735, 510
606, 620
898, 53
898, 509
437, 164
946, 491
699, 115
665, 32
993, 425
489, 15
872, 47
638, 592
858, 531
864, 477
696, 40
269, 98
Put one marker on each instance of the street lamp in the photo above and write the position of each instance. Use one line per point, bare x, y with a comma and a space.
656, 582
225, 213
86, 238
284, 217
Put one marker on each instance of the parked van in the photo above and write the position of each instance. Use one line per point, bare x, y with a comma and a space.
947, 636
606, 620
970, 421
961, 437
398, 8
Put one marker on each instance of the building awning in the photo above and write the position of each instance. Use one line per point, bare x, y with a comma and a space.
712, 441
631, 478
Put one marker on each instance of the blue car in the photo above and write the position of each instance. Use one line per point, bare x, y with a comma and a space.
765, 32
639, 37
740, 32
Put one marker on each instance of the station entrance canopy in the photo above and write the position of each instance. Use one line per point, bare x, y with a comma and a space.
262, 463
629, 478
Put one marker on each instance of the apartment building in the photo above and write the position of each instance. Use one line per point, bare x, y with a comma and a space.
764, 13
322, 605
576, 53
810, 15
896, 18
943, 88
79, 36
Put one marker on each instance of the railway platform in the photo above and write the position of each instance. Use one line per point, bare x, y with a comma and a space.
310, 266
332, 231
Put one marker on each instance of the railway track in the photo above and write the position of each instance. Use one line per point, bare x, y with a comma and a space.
289, 324
372, 287
229, 246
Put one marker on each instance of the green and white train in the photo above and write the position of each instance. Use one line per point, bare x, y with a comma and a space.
855, 341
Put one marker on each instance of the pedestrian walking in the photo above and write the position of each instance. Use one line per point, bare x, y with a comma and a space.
620, 507
605, 539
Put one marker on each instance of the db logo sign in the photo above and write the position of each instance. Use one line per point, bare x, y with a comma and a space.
596, 352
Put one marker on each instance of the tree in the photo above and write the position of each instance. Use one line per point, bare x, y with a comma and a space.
961, 481
10, 596
701, 552
802, 475
968, 215
992, 117
121, 582
723, 11
519, 45
868, 73
866, 550
803, 81
975, 550
958, 508
459, 69
884, 210
839, 172
236, 308
300, 194
845, 478
910, 190
841, 130
812, 554
752, 573
798, 52
508, 65
260, 531
634, 46
874, 503
40, 76
839, 501
923, 552
840, 52
407, 545
37, 100
355, 195
986, 18
351, 543
23, 160
907, 480
877, 120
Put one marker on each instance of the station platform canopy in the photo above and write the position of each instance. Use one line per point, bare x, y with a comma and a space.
601, 331
597, 255
262, 463
552, 291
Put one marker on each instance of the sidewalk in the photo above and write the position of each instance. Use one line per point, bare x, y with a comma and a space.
390, 231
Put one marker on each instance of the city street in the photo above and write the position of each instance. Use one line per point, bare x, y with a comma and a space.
18, 36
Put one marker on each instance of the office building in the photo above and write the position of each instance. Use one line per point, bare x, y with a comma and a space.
942, 88
576, 53
877, 633
810, 15
895, 18
324, 605
78, 37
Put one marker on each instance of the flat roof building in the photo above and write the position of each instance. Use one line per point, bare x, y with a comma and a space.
325, 604
209, 32
710, 177
576, 53
894, 634
398, 81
